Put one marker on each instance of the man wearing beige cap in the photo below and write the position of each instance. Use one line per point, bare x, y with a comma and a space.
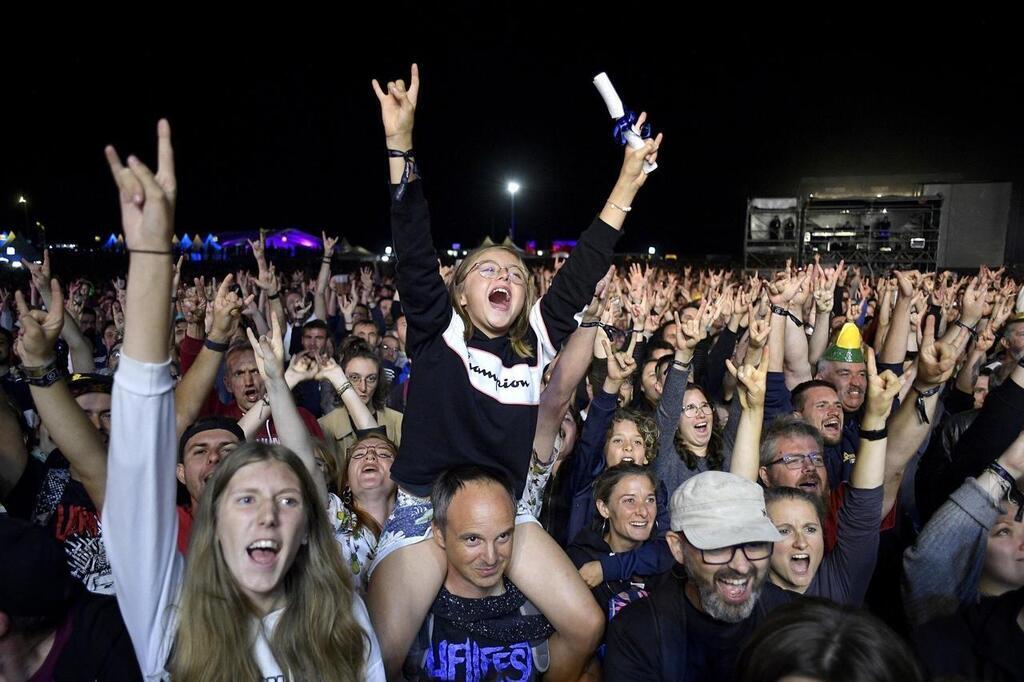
694, 629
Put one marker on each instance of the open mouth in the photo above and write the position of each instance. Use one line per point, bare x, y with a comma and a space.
701, 428
252, 395
811, 484
640, 525
500, 298
733, 590
800, 564
263, 552
832, 424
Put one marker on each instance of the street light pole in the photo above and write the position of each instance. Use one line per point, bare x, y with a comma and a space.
24, 206
513, 189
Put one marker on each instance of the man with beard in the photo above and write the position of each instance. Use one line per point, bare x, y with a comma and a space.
694, 630
818, 403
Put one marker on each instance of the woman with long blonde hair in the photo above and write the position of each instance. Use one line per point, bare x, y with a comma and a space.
265, 595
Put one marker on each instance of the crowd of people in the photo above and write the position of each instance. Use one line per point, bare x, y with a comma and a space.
590, 469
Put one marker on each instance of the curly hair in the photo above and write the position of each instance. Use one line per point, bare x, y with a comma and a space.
645, 424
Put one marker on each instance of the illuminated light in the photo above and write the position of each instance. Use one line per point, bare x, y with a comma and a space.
385, 258
456, 246
464, 252
284, 238
387, 250
10, 250
878, 196
16, 264
4, 260
22, 199
671, 256
650, 250
811, 195
885, 210
512, 187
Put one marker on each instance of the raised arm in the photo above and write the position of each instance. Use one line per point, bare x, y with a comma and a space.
824, 295
79, 347
67, 424
751, 383
574, 283
141, 539
907, 429
193, 389
323, 279
291, 430
869, 470
894, 351
570, 368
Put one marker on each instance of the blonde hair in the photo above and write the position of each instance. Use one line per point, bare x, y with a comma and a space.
518, 333
317, 636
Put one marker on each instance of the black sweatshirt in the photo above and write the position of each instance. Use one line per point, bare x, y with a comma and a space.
476, 402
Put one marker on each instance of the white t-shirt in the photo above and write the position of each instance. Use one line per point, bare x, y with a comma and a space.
141, 538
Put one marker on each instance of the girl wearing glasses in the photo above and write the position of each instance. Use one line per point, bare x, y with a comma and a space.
361, 370
690, 442
479, 347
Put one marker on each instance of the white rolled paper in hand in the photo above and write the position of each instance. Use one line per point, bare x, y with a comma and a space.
617, 111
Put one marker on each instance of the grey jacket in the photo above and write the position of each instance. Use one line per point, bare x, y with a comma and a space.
941, 571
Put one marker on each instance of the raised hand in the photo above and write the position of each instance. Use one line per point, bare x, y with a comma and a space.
782, 291
227, 311
632, 174
329, 244
621, 364
39, 329
40, 271
751, 380
398, 109
147, 200
269, 351
882, 388
304, 366
936, 359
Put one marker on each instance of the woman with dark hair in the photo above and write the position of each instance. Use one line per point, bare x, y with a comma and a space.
363, 374
626, 502
689, 441
813, 639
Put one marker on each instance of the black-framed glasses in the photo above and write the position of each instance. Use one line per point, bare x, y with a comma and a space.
692, 410
754, 551
796, 461
488, 269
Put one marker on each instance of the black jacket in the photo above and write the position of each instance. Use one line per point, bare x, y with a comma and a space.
665, 638
981, 642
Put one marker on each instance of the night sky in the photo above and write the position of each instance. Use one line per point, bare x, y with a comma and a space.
279, 127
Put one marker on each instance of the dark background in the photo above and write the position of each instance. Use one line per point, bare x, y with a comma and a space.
276, 126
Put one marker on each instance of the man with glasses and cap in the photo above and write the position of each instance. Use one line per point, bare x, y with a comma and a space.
694, 630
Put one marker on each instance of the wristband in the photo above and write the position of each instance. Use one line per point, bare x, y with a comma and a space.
48, 379
878, 434
216, 347
682, 365
779, 310
1009, 486
970, 330
624, 209
38, 371
922, 413
588, 325
344, 387
274, 297
408, 171
326, 261
156, 253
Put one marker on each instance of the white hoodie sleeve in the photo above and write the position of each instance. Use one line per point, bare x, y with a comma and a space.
140, 521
